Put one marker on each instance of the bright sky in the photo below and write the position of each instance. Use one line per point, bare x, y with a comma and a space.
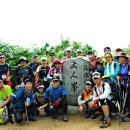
99, 23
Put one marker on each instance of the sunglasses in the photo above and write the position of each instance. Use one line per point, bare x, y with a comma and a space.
2, 57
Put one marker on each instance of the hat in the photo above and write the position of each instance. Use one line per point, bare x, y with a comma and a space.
88, 82
52, 54
34, 55
96, 75
44, 58
93, 58
68, 49
79, 50
121, 54
28, 80
23, 59
107, 55
119, 49
90, 52
40, 86
54, 78
56, 60
107, 48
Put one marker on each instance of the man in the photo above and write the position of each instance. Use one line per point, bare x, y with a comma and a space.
23, 71
5, 70
90, 54
33, 65
24, 99
101, 95
52, 58
5, 92
68, 54
55, 95
79, 53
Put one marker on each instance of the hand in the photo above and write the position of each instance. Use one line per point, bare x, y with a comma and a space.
8, 79
27, 104
39, 108
56, 103
92, 103
1, 105
118, 78
81, 102
22, 84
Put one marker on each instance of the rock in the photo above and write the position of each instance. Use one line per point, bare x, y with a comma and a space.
73, 110
75, 73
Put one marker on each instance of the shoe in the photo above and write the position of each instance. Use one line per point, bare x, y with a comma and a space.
93, 116
106, 123
31, 118
65, 119
54, 115
126, 119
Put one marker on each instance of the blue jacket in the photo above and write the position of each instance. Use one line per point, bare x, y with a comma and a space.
21, 97
55, 93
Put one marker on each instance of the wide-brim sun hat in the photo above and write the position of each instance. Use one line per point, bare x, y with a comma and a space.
121, 54
57, 60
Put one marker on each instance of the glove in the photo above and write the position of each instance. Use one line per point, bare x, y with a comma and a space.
56, 103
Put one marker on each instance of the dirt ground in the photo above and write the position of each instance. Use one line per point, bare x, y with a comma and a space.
76, 122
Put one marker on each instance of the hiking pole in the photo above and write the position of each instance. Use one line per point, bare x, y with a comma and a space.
26, 109
124, 102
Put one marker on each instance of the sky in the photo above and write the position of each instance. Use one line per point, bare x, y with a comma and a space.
99, 23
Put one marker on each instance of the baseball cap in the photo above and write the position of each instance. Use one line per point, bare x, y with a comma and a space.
40, 86
79, 50
68, 49
88, 82
44, 58
34, 55
52, 54
55, 78
90, 52
96, 75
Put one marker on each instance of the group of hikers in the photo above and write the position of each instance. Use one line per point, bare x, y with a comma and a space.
40, 87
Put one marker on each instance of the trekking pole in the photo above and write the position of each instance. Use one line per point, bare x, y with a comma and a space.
124, 102
26, 109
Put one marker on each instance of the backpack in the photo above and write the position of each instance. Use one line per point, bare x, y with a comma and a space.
4, 117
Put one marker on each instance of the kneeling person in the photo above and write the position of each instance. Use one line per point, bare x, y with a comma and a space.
55, 95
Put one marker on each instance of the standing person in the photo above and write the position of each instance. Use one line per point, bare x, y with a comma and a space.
68, 54
5, 92
52, 58
23, 71
123, 78
5, 70
24, 99
55, 95
101, 95
41, 73
79, 53
56, 70
33, 65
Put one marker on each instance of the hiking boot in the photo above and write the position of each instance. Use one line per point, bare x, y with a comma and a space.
54, 115
65, 119
31, 118
93, 116
106, 123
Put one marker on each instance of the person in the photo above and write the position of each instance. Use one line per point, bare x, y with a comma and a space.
33, 65
55, 95
90, 54
23, 71
101, 95
85, 98
79, 53
68, 54
5, 92
5, 70
24, 100
123, 80
107, 50
56, 70
41, 73
52, 58
40, 100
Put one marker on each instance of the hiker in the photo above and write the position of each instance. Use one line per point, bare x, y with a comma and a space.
5, 92
52, 58
111, 70
41, 73
90, 54
84, 100
123, 79
5, 70
23, 71
40, 100
24, 99
55, 95
102, 96
79, 53
35, 63
56, 70
68, 54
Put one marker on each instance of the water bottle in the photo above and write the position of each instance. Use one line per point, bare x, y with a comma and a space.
28, 100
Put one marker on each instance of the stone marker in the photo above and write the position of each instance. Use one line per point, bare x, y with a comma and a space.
75, 73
